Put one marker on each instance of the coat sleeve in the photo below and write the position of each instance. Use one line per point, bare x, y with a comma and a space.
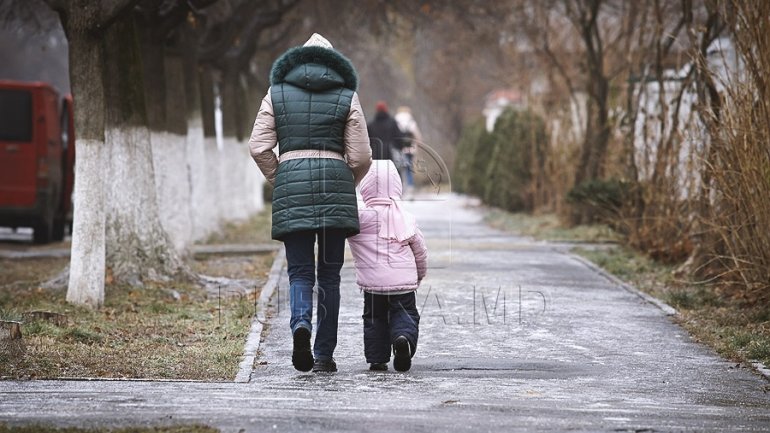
264, 139
420, 250
358, 153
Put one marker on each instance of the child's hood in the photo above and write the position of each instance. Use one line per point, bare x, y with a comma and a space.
381, 181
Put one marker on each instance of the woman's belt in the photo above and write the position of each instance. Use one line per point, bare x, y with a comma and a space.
297, 154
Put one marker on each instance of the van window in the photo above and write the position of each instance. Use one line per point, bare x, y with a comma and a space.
15, 115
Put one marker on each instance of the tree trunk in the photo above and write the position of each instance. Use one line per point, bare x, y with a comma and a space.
208, 103
597, 130
231, 117
213, 188
597, 133
232, 135
138, 248
203, 216
169, 152
87, 263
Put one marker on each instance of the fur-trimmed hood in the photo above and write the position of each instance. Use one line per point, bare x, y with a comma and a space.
299, 56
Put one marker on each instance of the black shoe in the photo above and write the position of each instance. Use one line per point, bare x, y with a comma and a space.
378, 366
301, 356
324, 366
402, 354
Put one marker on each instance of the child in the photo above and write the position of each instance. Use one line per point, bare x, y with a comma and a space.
391, 261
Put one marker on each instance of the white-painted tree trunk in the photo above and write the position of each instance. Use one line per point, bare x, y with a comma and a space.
241, 181
173, 186
214, 189
204, 219
86, 274
233, 179
138, 247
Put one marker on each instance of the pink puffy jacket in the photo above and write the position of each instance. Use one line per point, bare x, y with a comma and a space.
386, 265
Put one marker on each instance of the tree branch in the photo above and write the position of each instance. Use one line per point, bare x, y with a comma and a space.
112, 10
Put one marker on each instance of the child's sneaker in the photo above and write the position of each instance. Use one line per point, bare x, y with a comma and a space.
378, 366
301, 357
402, 354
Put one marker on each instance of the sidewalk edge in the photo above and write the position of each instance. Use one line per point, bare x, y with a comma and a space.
255, 333
667, 309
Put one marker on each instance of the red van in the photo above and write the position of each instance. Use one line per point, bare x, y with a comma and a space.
37, 158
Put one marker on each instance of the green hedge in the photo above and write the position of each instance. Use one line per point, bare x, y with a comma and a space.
498, 166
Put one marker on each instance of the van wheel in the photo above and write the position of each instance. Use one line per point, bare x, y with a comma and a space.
58, 229
43, 231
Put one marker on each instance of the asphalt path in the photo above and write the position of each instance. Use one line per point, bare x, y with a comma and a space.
515, 335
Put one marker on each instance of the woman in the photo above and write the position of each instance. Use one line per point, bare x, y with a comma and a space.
313, 114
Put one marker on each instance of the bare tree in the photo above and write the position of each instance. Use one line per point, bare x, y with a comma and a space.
124, 91
84, 22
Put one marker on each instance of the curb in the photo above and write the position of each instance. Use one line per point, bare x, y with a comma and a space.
667, 309
202, 251
257, 322
55, 253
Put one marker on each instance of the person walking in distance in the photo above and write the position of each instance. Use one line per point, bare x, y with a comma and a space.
385, 136
391, 260
312, 113
409, 128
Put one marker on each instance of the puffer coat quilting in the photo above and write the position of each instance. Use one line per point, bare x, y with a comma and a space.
311, 99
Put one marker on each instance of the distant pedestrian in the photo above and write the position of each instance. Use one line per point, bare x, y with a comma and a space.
311, 112
391, 260
385, 136
413, 137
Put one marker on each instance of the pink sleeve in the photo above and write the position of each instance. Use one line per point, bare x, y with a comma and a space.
420, 250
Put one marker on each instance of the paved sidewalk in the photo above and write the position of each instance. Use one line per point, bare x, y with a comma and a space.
515, 336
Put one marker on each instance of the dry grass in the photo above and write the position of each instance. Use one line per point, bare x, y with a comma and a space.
740, 161
166, 330
235, 267
255, 230
139, 333
548, 227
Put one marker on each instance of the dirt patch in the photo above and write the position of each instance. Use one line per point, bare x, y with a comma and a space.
235, 267
29, 271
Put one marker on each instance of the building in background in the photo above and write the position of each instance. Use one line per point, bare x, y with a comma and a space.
497, 101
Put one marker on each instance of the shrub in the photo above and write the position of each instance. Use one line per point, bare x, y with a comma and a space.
738, 162
518, 149
499, 167
471, 159
601, 198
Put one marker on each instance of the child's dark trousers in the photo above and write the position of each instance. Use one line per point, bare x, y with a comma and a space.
386, 317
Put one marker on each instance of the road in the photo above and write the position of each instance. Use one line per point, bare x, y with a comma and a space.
515, 335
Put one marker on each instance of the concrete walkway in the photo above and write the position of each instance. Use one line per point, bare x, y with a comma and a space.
515, 336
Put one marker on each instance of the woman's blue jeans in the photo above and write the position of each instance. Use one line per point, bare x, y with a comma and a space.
302, 269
